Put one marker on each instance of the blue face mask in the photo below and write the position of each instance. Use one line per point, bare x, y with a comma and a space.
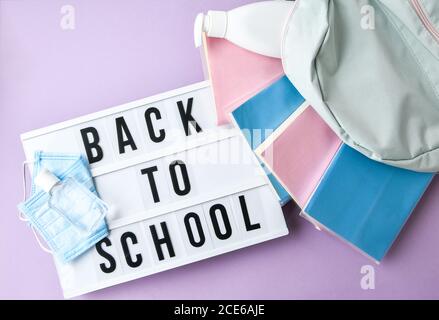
65, 240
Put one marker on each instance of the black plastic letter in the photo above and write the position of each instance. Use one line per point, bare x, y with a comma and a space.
187, 224
106, 255
212, 212
121, 129
186, 116
150, 172
155, 138
166, 240
92, 145
187, 185
126, 249
248, 225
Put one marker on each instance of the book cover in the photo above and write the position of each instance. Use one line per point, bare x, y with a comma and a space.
262, 114
365, 202
299, 152
359, 200
236, 74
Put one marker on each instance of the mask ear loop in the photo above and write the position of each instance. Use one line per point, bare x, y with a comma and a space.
20, 214
40, 243
24, 185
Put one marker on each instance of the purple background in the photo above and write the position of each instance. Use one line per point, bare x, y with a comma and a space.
126, 50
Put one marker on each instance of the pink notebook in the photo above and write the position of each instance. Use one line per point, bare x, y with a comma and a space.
236, 74
299, 152
302, 147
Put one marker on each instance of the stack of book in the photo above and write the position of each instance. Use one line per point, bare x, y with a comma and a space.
361, 201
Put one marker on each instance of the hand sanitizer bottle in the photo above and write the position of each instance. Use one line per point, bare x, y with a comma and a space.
257, 27
73, 201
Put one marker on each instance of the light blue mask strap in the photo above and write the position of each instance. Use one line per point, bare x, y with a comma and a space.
39, 241
20, 215
25, 163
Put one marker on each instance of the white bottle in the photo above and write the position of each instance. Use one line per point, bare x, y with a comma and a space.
77, 204
257, 27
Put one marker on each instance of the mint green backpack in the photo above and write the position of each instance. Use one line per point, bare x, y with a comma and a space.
370, 68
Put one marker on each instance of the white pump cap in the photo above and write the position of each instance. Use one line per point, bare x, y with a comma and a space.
214, 23
46, 180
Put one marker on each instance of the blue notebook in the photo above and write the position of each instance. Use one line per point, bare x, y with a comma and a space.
259, 116
365, 202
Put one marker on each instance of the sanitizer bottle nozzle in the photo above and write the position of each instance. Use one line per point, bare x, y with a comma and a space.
256, 27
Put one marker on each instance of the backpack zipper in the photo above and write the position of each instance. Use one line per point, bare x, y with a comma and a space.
417, 6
